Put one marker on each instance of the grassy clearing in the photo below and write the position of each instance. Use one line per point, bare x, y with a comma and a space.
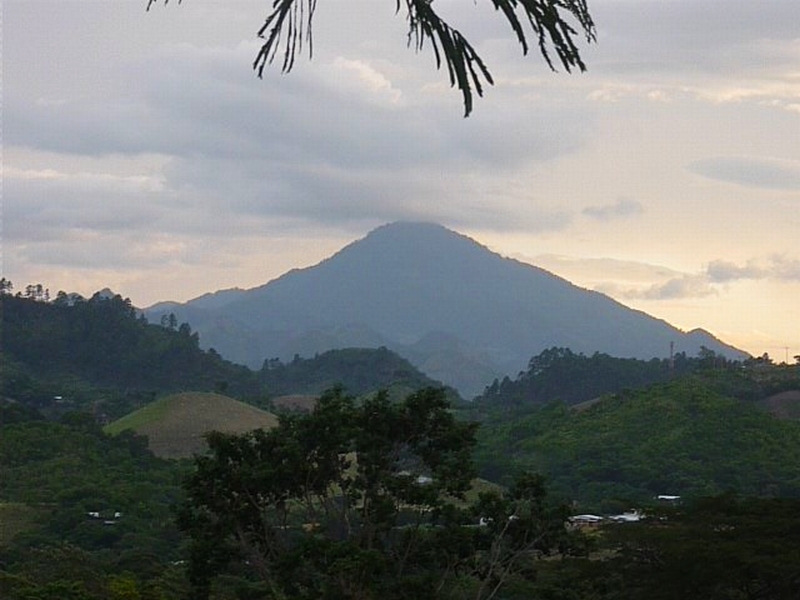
146, 415
176, 425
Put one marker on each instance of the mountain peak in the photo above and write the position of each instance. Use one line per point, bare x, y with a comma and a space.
419, 245
413, 232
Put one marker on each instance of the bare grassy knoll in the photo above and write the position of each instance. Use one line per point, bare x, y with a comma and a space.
175, 425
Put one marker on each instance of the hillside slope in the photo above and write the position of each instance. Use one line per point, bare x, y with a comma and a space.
686, 437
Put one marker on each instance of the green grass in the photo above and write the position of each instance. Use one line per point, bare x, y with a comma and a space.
146, 415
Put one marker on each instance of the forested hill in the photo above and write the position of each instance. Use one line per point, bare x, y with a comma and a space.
361, 370
563, 375
70, 348
701, 434
82, 353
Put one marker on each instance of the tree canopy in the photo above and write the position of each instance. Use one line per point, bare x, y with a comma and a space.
554, 26
361, 500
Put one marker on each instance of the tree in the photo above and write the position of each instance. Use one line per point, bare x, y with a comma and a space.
359, 500
37, 292
6, 287
169, 321
554, 24
717, 547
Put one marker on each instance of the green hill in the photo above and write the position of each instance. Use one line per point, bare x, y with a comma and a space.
686, 437
99, 355
359, 370
175, 425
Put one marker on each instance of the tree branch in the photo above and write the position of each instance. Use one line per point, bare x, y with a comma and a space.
289, 26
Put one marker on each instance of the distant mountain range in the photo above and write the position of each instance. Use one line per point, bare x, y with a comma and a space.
458, 311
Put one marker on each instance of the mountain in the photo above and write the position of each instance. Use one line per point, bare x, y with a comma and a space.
421, 289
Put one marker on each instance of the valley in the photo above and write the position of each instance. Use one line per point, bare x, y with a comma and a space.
107, 417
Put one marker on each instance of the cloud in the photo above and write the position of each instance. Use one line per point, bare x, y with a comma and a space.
786, 269
633, 280
45, 204
692, 50
776, 267
692, 34
216, 162
751, 172
351, 140
595, 270
705, 283
366, 81
622, 208
687, 286
721, 271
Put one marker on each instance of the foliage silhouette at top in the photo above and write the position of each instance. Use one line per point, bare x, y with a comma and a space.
554, 25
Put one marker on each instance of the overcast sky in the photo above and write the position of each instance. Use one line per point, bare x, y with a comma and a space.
141, 153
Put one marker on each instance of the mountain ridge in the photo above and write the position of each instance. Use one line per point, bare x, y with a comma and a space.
406, 280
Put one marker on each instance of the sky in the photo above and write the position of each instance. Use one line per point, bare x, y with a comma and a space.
141, 153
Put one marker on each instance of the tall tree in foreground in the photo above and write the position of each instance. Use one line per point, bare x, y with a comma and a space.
554, 26
360, 500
